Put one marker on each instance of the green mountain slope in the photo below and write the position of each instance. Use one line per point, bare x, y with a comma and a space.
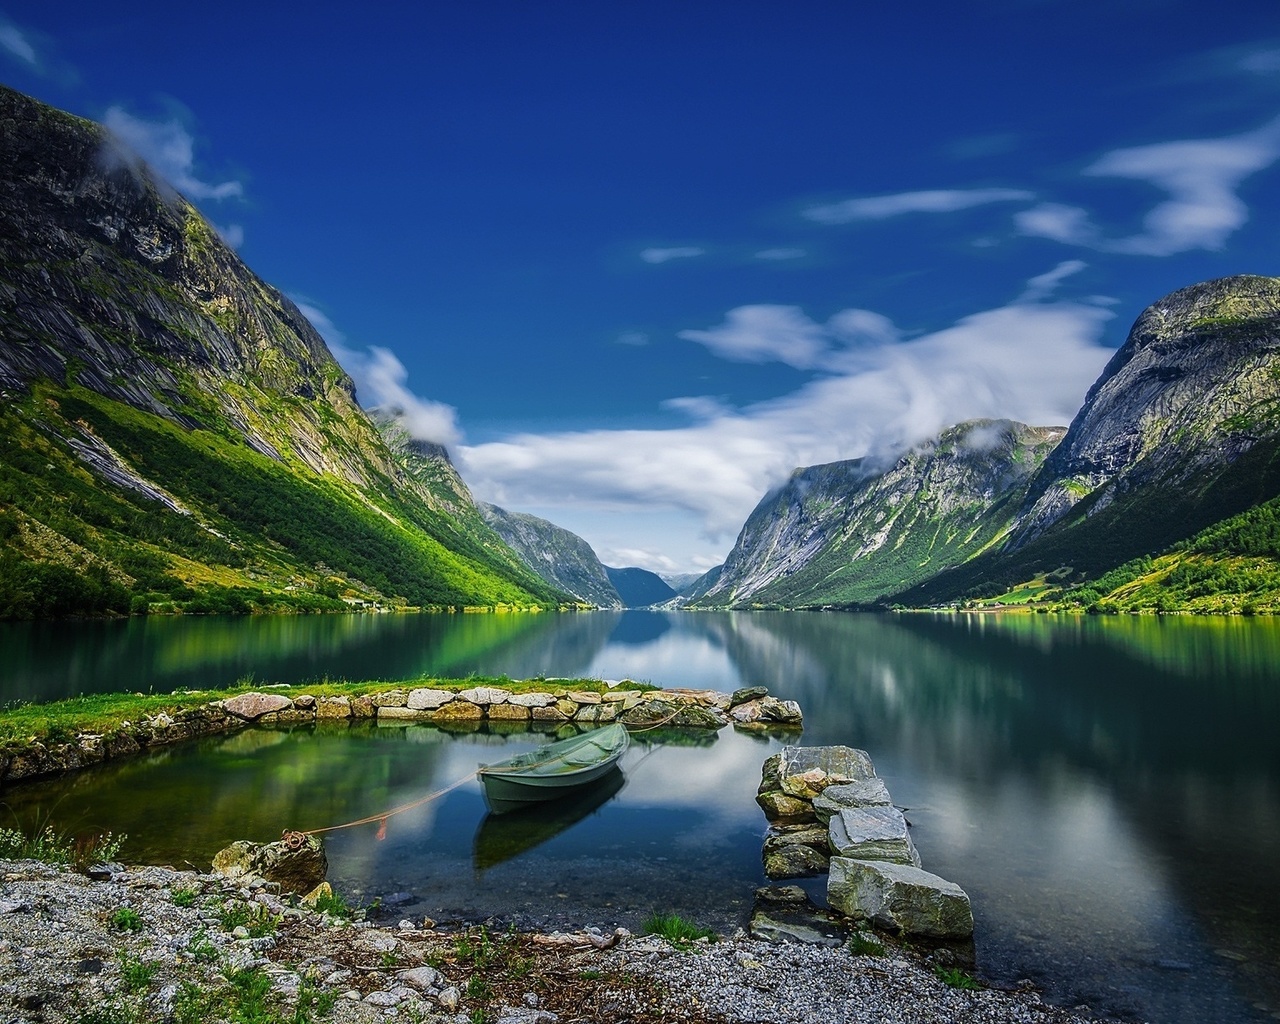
850, 533
1181, 431
559, 556
175, 433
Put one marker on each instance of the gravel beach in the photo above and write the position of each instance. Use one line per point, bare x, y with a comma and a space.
154, 944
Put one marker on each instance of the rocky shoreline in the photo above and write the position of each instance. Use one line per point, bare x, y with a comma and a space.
459, 710
154, 944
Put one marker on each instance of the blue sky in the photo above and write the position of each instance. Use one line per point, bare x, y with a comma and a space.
635, 262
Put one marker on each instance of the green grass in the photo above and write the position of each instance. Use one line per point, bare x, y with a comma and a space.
861, 944
676, 930
39, 839
125, 919
957, 978
63, 720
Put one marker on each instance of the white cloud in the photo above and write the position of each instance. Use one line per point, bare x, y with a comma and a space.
380, 382
765, 334
1261, 62
1043, 285
15, 41
1200, 177
678, 252
1067, 224
636, 338
232, 234
1029, 361
169, 149
933, 201
781, 254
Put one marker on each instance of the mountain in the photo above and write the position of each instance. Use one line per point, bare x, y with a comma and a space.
175, 434
639, 588
851, 532
1182, 430
680, 582
560, 557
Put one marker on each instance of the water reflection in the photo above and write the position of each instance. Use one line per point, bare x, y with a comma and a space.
1106, 788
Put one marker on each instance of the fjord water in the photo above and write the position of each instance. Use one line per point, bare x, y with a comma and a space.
1107, 789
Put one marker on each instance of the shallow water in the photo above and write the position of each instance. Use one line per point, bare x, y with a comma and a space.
1106, 789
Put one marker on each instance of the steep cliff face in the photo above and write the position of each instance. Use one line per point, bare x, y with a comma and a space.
1182, 430
174, 428
560, 557
1195, 387
851, 532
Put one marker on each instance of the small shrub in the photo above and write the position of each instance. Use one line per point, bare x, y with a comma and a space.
125, 919
185, 896
136, 975
333, 904
957, 978
676, 930
861, 944
201, 949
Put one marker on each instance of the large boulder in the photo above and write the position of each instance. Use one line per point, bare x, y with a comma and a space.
795, 852
900, 898
297, 865
867, 793
872, 833
252, 706
805, 772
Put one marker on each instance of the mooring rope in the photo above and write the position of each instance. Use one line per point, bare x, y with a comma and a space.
294, 839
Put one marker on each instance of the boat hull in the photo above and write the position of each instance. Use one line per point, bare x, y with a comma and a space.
559, 770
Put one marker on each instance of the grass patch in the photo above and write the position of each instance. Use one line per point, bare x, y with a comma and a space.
957, 978
125, 919
676, 930
41, 840
861, 944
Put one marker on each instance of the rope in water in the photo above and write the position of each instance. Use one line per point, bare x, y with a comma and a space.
294, 839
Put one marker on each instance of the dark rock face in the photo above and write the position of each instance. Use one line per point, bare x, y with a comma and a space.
110, 279
1194, 388
559, 556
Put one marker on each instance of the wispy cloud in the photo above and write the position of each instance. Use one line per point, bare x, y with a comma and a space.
168, 147
781, 254
677, 252
1261, 62
1028, 360
1043, 285
381, 382
932, 201
15, 42
1200, 178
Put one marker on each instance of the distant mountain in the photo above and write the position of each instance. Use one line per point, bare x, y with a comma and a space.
639, 588
560, 557
851, 532
175, 435
680, 582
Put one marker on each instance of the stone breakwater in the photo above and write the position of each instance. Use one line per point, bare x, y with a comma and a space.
751, 708
191, 946
830, 813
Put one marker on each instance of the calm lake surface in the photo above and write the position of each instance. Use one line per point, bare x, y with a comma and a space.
1106, 789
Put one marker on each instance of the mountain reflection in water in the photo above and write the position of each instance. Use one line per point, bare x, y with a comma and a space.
1107, 789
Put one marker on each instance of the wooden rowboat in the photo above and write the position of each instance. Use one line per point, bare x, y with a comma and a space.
554, 769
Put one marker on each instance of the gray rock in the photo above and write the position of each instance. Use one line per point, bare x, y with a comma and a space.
865, 793
449, 998
423, 699
297, 870
778, 806
252, 706
533, 700
483, 695
872, 833
899, 897
421, 978
384, 999
747, 693
805, 772
794, 862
